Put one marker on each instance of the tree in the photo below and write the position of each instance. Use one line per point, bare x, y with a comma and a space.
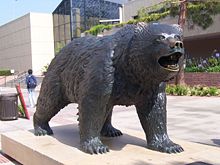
181, 21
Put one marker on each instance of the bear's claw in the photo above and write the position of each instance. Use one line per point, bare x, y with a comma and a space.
94, 146
110, 131
166, 146
43, 130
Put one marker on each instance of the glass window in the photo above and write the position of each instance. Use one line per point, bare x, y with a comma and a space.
56, 34
62, 35
55, 20
91, 11
67, 18
61, 19
67, 32
68, 41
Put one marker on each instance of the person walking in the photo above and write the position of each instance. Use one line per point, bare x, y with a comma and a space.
31, 82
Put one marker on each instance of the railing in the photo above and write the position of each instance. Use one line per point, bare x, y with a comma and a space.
3, 79
21, 77
17, 77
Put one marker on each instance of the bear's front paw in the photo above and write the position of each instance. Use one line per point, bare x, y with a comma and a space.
165, 146
38, 131
44, 129
94, 146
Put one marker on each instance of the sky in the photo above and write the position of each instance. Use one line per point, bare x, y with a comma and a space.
12, 9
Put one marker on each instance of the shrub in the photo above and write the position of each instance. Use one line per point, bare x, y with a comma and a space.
180, 90
213, 91
5, 72
21, 111
99, 29
170, 89
211, 64
45, 68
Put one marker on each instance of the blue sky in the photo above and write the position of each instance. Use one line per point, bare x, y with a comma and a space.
12, 9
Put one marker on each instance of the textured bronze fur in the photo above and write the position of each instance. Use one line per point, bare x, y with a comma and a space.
100, 72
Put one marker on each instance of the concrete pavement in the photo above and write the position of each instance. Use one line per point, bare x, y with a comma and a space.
194, 119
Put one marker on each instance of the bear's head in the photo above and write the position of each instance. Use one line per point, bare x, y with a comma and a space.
156, 50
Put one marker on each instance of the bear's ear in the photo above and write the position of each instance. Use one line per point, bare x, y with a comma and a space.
178, 27
141, 31
142, 24
140, 27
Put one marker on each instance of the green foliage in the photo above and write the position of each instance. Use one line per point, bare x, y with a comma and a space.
177, 90
95, 30
58, 46
21, 111
152, 17
45, 68
213, 69
180, 90
158, 11
5, 72
194, 69
200, 13
214, 91
174, 10
99, 29
120, 25
211, 64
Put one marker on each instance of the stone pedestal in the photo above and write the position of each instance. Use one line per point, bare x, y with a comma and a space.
129, 149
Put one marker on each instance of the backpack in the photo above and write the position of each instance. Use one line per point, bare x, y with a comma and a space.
31, 82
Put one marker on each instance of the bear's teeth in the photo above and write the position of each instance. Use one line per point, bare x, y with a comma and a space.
175, 66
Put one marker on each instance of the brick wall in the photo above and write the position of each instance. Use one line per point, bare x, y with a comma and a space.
205, 79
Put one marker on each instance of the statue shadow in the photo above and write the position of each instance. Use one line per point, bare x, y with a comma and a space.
69, 135
216, 141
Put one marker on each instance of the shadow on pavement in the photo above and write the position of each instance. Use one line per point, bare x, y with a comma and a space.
69, 135
216, 141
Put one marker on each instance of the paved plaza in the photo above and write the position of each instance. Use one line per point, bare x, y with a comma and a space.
194, 119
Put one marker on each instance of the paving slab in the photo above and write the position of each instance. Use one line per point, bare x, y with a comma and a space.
130, 149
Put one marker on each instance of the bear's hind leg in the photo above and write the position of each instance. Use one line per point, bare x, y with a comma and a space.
108, 130
91, 117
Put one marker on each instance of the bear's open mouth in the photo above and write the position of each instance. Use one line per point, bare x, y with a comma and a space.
170, 62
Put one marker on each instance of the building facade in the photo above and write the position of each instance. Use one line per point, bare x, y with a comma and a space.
198, 42
72, 17
27, 42
131, 8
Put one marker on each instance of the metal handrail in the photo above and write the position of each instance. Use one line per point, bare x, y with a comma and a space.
4, 77
18, 77
21, 77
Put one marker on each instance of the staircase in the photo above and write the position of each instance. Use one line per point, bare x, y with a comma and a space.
19, 78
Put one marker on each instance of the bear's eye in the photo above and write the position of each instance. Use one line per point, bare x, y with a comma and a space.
160, 38
177, 37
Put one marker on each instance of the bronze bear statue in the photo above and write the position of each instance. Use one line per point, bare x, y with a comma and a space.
130, 67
